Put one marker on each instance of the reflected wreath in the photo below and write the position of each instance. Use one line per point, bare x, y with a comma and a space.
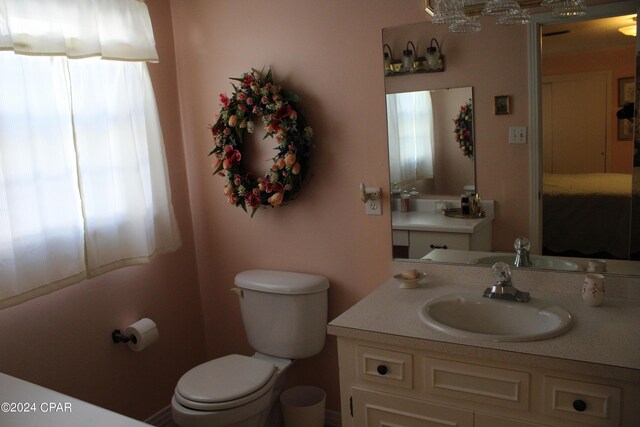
257, 98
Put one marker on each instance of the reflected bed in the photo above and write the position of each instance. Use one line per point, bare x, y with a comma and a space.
586, 214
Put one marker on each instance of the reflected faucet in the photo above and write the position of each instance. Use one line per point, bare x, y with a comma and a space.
503, 288
522, 246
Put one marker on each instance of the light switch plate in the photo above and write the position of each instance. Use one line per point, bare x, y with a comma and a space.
518, 135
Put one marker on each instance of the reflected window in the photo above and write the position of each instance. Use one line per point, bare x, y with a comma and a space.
410, 128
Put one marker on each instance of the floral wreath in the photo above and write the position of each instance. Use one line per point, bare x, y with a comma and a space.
258, 98
464, 129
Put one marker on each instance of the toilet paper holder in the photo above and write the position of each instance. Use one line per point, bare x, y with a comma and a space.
117, 337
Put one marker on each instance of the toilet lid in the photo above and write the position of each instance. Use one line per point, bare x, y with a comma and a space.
226, 382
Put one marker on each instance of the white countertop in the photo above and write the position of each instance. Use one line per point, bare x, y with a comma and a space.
606, 338
425, 218
28, 405
431, 221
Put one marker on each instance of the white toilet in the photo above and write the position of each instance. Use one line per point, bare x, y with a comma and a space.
285, 318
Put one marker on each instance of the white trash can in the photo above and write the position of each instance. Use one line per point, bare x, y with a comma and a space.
303, 406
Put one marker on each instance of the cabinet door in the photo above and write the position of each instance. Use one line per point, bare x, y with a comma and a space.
371, 409
486, 420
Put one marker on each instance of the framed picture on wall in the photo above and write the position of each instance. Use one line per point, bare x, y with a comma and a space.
626, 90
502, 105
625, 129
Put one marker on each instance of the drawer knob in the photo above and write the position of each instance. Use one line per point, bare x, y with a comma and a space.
579, 405
439, 247
382, 369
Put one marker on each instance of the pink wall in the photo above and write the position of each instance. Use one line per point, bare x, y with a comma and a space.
63, 340
621, 63
330, 53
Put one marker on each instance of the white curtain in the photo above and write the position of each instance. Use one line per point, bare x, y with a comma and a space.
410, 133
83, 178
110, 29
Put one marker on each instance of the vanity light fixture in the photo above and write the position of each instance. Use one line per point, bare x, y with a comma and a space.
408, 58
432, 62
434, 59
391, 65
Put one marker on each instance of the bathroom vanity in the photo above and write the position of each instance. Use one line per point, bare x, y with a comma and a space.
424, 229
397, 370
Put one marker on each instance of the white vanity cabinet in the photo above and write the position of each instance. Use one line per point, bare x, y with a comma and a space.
385, 385
420, 243
424, 230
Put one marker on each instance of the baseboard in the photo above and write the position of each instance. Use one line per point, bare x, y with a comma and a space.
160, 418
332, 418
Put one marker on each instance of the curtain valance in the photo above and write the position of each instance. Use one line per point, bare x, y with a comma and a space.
110, 29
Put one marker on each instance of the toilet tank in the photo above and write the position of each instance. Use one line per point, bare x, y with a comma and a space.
284, 313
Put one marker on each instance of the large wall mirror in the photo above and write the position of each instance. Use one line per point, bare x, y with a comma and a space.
595, 194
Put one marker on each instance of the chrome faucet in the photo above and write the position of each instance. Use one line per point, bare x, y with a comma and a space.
503, 288
522, 246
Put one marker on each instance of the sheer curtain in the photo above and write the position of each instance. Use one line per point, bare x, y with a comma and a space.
83, 178
410, 133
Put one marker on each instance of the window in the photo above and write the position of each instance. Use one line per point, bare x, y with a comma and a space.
83, 179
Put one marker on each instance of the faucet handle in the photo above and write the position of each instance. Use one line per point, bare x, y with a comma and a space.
502, 272
522, 243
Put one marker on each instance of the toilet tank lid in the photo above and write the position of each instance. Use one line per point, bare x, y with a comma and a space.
281, 282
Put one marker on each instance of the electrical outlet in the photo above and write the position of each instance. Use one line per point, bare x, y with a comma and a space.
373, 205
518, 135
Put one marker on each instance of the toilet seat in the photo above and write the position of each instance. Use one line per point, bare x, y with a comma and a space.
225, 383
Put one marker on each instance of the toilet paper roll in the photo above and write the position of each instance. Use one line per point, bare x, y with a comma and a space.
143, 333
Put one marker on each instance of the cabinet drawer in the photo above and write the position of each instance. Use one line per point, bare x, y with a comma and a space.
372, 409
423, 242
586, 403
493, 386
393, 368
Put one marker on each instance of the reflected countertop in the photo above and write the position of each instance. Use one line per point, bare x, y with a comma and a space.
424, 217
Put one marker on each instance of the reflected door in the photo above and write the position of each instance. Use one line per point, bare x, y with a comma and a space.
575, 123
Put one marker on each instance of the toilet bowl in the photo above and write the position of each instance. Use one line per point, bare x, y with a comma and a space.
284, 315
231, 391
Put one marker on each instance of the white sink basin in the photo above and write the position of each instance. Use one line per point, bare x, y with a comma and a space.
544, 262
475, 317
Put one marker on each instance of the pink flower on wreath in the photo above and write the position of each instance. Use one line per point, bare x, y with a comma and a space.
249, 101
231, 157
233, 200
248, 79
275, 187
241, 96
262, 184
254, 200
224, 100
264, 100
